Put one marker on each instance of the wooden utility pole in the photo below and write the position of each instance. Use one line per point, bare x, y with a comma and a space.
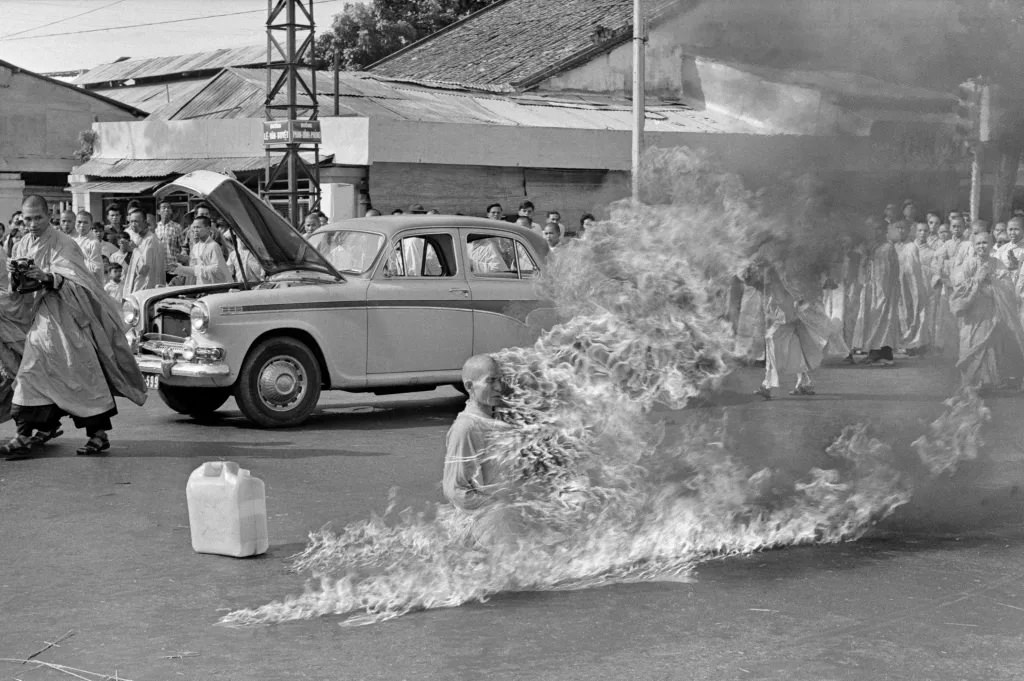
639, 106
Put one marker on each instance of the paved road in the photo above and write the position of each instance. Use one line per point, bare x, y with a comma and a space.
100, 547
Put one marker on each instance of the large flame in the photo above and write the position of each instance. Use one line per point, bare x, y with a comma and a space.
600, 491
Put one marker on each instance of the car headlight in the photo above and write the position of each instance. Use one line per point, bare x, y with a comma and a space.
200, 317
130, 312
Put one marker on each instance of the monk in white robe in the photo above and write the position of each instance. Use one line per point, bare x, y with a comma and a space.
205, 260
915, 291
147, 268
878, 326
795, 335
750, 326
991, 336
76, 358
1012, 252
243, 264
89, 243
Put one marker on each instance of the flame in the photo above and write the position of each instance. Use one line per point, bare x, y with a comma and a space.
599, 493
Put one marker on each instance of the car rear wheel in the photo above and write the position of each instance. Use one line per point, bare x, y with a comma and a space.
279, 384
197, 402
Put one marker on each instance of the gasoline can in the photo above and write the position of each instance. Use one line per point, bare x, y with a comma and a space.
227, 510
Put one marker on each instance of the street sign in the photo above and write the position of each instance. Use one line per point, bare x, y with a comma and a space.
279, 133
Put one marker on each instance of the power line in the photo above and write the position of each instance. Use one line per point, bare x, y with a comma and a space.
151, 23
90, 11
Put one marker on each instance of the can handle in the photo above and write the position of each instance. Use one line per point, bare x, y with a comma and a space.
220, 469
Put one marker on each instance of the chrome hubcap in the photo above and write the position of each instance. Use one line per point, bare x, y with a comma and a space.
282, 383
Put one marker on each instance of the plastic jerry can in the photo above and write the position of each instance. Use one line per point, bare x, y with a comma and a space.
227, 510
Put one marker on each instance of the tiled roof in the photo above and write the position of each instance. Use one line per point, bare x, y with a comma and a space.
183, 65
513, 44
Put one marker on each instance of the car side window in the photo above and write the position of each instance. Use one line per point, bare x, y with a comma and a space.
496, 257
527, 267
428, 255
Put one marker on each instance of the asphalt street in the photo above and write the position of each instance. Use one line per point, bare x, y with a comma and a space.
99, 547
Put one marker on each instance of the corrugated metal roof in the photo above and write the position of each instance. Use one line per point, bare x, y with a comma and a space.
181, 64
153, 96
116, 187
160, 168
239, 93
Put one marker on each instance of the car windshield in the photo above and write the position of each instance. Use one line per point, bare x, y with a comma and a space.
346, 250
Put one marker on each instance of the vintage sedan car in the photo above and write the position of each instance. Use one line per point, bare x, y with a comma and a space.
382, 305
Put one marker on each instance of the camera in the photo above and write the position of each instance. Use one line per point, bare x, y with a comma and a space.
20, 281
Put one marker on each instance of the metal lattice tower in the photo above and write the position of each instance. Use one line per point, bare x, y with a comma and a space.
291, 125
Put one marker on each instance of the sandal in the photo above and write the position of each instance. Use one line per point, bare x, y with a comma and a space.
95, 445
764, 392
16, 448
802, 391
41, 437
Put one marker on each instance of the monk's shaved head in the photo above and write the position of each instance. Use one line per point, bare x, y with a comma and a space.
478, 366
35, 201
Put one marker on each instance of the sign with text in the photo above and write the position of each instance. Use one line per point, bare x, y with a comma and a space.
277, 133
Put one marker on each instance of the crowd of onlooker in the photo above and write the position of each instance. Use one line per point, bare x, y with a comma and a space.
110, 245
553, 230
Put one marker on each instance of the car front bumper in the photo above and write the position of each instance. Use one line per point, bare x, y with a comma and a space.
181, 372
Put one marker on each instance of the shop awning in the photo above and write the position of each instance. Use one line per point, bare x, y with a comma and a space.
116, 187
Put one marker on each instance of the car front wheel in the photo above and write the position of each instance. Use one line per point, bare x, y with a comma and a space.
197, 402
279, 384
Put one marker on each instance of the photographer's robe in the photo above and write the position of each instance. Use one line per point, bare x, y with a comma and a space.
76, 355
991, 337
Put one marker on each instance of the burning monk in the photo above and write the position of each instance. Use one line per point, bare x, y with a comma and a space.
471, 480
795, 334
991, 337
76, 357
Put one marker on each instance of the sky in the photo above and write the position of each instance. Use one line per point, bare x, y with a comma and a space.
101, 31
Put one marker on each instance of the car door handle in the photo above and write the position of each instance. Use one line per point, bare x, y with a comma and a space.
463, 291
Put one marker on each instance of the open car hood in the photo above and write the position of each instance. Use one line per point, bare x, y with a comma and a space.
275, 243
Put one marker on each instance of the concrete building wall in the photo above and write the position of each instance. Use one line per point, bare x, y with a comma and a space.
468, 189
39, 126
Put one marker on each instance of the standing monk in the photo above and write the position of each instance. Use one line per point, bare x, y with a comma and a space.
878, 324
147, 268
991, 338
89, 243
76, 358
914, 298
795, 335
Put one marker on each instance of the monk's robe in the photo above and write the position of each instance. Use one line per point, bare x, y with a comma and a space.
914, 297
14, 323
841, 296
76, 355
1003, 253
90, 246
991, 336
750, 326
248, 269
878, 324
147, 268
206, 264
795, 335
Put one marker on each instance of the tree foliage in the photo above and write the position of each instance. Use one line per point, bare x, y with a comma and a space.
365, 33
